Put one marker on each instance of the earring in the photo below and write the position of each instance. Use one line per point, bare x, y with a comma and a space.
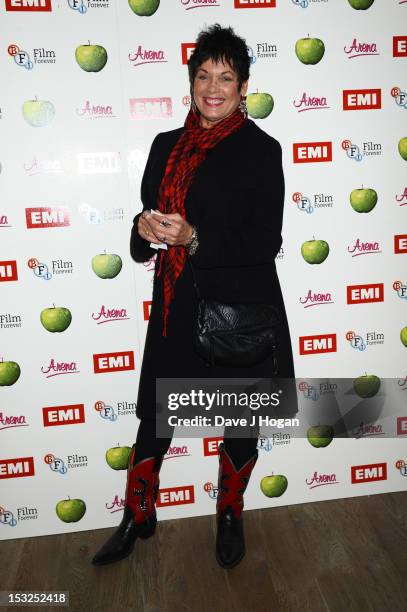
242, 106
193, 105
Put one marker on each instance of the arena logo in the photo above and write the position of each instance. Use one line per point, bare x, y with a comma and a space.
63, 415
24, 513
150, 265
307, 102
18, 467
319, 343
177, 451
103, 162
401, 426
94, 216
9, 422
45, 217
8, 271
82, 7
361, 99
107, 315
354, 152
312, 152
316, 299
263, 50
313, 392
319, 200
147, 309
43, 166
193, 4
368, 473
245, 4
400, 97
402, 198
321, 480
28, 5
110, 413
176, 496
400, 244
400, 45
58, 368
365, 294
363, 248
23, 58
186, 51
61, 466
8, 321
95, 111
113, 362
398, 287
114, 506
150, 108
4, 221
44, 271
368, 430
401, 466
359, 49
359, 342
146, 56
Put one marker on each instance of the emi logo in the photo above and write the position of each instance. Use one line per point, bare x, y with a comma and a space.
400, 244
113, 362
17, 468
211, 446
147, 309
186, 51
362, 99
28, 5
399, 46
312, 345
312, 152
242, 4
8, 271
46, 217
364, 294
368, 473
176, 496
402, 426
63, 415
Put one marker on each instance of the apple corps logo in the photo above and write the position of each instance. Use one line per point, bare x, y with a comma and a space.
211, 446
399, 46
176, 496
400, 244
321, 343
312, 152
364, 294
362, 99
17, 468
56, 216
242, 4
63, 415
8, 271
186, 50
368, 473
28, 5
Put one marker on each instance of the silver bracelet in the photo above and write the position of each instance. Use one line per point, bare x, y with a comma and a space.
193, 243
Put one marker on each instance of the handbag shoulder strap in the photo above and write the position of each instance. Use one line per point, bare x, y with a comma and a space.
194, 278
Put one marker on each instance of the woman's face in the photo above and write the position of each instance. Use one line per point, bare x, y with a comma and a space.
216, 91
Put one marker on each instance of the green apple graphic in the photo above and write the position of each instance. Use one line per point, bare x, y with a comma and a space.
274, 485
259, 105
367, 385
144, 8
403, 147
118, 457
361, 4
320, 436
70, 510
56, 319
106, 265
91, 58
38, 113
315, 251
363, 200
9, 373
309, 50
403, 336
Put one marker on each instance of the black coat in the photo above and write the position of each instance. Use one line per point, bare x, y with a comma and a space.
236, 202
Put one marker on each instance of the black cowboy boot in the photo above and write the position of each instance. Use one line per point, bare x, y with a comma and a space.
139, 518
230, 544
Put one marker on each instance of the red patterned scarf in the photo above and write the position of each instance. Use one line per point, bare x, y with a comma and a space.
188, 153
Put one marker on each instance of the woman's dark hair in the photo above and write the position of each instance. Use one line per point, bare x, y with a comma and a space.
222, 44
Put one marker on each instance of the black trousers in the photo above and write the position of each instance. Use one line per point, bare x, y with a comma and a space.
240, 450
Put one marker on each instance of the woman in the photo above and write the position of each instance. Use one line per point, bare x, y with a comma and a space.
218, 184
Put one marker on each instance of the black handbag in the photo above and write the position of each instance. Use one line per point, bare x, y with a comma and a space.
235, 334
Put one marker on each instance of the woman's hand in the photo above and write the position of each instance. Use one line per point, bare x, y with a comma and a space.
172, 229
145, 229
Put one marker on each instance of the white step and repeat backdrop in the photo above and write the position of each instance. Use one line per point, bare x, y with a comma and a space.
86, 87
